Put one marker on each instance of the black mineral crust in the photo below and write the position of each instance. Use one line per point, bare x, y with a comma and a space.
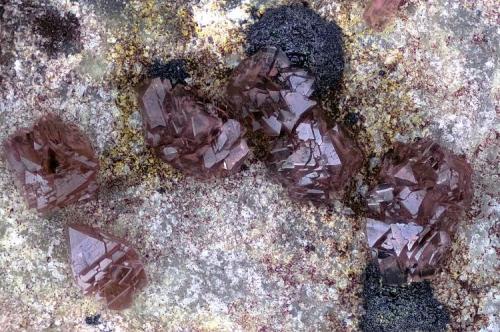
60, 33
406, 308
173, 70
307, 39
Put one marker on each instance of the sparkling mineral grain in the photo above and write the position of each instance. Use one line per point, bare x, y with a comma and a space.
406, 251
315, 161
187, 133
380, 12
105, 266
54, 164
269, 94
422, 182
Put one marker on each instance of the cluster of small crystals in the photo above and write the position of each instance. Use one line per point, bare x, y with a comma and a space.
271, 95
415, 208
187, 133
54, 164
314, 160
105, 266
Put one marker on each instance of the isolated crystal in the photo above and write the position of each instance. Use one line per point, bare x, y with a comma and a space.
380, 12
269, 94
54, 164
313, 160
406, 251
423, 183
187, 133
105, 266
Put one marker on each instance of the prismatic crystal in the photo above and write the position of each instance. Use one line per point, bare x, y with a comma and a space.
267, 93
314, 160
415, 208
105, 266
54, 164
187, 133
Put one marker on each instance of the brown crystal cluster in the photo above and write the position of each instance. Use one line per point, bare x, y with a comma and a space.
105, 266
54, 164
314, 160
187, 133
414, 209
269, 94
380, 12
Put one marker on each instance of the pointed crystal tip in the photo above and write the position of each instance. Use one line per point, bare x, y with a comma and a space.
105, 266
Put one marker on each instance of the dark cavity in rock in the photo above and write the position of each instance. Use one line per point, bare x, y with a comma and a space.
173, 70
308, 40
400, 308
93, 320
60, 34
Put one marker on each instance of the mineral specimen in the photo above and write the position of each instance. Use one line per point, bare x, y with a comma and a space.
309, 41
414, 209
313, 161
423, 183
54, 163
105, 266
268, 93
406, 251
187, 133
379, 12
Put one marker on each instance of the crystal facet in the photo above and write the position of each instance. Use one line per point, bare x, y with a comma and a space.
105, 266
313, 160
269, 94
187, 133
422, 182
414, 209
406, 251
54, 164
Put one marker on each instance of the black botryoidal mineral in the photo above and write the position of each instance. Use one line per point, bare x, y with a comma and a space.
173, 70
93, 320
307, 39
410, 307
61, 34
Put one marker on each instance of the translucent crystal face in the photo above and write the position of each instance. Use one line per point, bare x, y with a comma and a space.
269, 94
105, 266
187, 133
54, 163
422, 192
406, 251
422, 182
314, 161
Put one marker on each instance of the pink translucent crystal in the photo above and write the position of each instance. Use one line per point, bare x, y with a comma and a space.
415, 208
422, 182
406, 251
268, 94
380, 12
315, 161
105, 266
54, 164
187, 133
